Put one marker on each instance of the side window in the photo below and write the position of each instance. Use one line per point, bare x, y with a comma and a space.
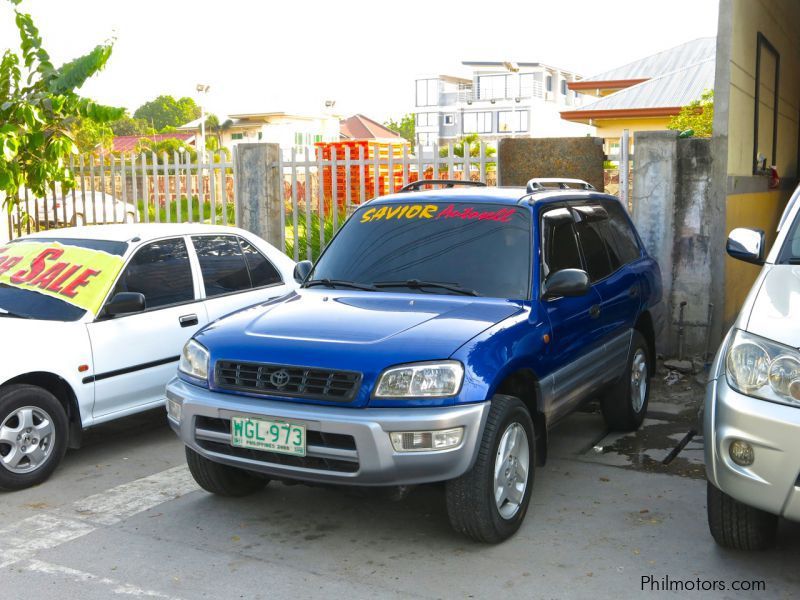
592, 227
222, 264
560, 248
622, 233
262, 272
161, 271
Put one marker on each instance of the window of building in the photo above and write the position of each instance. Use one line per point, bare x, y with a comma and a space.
765, 122
549, 83
492, 87
512, 121
260, 135
426, 119
478, 122
237, 136
449, 119
427, 139
563, 87
427, 92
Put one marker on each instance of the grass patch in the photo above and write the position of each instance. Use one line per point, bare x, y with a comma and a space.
200, 211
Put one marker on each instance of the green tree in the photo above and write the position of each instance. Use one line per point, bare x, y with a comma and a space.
471, 141
39, 109
406, 127
90, 136
166, 111
697, 116
130, 126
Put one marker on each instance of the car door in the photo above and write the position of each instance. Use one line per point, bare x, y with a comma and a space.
135, 355
235, 274
607, 259
573, 352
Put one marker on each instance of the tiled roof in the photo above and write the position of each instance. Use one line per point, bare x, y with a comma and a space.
359, 127
128, 143
667, 61
675, 89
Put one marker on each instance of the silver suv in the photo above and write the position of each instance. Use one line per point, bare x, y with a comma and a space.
752, 407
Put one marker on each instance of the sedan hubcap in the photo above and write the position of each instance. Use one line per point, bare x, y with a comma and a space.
511, 470
26, 439
638, 380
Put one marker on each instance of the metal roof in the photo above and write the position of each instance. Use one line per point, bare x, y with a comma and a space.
667, 61
675, 89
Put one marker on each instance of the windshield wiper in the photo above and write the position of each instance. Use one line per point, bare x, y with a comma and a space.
333, 283
416, 284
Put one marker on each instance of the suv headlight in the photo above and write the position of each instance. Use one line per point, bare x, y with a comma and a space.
764, 369
425, 380
194, 360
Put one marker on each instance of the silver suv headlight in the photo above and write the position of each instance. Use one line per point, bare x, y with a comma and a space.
194, 360
761, 368
421, 380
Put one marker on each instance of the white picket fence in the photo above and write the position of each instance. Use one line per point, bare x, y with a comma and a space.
129, 188
320, 192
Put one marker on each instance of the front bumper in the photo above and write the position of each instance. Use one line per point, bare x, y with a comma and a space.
772, 482
345, 445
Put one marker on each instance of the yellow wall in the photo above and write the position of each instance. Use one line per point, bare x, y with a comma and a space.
612, 128
762, 211
778, 20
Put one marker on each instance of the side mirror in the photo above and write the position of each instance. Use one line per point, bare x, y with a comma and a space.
746, 245
125, 303
301, 270
566, 282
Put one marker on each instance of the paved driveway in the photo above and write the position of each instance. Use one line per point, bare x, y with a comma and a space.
122, 517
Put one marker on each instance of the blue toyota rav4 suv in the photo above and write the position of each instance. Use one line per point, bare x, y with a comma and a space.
438, 338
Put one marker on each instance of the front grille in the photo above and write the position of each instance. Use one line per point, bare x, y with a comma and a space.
213, 434
282, 380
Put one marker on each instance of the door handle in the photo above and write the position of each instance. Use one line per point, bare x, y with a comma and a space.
634, 291
188, 320
594, 311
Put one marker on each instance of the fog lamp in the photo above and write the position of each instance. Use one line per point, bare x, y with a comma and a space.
420, 441
174, 409
742, 453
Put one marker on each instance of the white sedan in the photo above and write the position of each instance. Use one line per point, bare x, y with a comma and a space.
82, 209
93, 320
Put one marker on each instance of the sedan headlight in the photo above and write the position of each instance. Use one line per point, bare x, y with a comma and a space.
763, 369
194, 360
424, 380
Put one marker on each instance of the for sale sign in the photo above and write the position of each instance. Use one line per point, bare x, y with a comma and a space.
80, 276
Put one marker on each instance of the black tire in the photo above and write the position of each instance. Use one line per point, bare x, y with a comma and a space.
223, 480
471, 504
617, 404
736, 525
12, 399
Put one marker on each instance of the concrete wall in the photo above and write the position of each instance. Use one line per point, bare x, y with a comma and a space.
521, 159
674, 211
259, 190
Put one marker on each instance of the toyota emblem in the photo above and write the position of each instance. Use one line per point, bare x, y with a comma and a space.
279, 378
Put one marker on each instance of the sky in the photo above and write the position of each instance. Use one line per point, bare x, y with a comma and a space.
293, 55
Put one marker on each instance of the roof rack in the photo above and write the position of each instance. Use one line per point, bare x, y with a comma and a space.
539, 184
447, 183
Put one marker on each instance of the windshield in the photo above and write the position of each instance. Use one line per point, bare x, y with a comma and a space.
476, 248
790, 252
56, 279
